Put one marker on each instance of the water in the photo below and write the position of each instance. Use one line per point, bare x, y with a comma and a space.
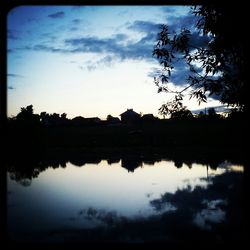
125, 201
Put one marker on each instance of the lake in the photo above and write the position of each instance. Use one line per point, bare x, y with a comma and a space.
128, 199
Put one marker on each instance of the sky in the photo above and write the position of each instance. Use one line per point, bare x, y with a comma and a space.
90, 60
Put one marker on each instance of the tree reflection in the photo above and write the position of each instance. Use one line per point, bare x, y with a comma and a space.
212, 216
22, 167
217, 207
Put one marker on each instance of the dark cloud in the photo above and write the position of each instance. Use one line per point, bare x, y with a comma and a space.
178, 76
42, 47
138, 50
92, 44
145, 26
59, 14
176, 23
119, 46
11, 87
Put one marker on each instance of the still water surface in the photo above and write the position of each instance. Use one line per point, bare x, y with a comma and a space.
64, 203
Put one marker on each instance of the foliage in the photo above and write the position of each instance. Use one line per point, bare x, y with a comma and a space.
215, 69
176, 109
27, 117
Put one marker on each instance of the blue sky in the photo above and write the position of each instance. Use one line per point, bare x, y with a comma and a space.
89, 60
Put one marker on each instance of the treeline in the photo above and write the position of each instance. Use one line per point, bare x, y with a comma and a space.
27, 117
23, 169
31, 131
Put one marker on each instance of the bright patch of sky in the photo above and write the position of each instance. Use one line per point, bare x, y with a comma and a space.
89, 60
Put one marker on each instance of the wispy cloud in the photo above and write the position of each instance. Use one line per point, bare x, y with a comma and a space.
117, 47
14, 75
138, 50
103, 62
76, 21
59, 14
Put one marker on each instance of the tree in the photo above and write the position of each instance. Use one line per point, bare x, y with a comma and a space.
64, 116
182, 114
216, 69
26, 113
109, 117
27, 116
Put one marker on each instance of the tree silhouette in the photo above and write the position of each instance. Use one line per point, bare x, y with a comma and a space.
26, 116
26, 113
215, 68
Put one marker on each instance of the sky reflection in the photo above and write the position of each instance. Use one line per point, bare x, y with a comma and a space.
84, 197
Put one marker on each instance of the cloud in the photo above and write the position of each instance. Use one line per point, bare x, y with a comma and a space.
11, 87
59, 14
113, 45
76, 21
103, 62
176, 23
178, 76
145, 26
42, 47
14, 75
119, 47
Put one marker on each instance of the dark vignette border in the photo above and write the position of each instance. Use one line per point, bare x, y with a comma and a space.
5, 7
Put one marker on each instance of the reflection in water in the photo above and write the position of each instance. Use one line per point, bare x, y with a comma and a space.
211, 214
125, 199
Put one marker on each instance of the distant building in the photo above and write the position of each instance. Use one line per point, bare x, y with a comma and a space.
148, 117
78, 121
113, 120
130, 116
93, 120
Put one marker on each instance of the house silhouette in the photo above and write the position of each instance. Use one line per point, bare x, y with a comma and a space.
130, 116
